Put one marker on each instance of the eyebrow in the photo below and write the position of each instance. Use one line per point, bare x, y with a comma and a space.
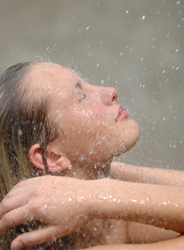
78, 85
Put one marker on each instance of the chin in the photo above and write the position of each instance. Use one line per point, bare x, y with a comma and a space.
130, 137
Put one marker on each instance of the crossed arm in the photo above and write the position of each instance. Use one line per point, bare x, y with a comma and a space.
157, 201
177, 243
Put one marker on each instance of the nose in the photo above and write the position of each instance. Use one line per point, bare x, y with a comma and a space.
109, 95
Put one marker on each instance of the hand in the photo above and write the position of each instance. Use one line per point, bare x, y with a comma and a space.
59, 202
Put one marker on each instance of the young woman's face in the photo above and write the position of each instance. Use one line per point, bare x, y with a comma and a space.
92, 125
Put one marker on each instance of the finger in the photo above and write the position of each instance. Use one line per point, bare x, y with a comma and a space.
10, 204
15, 217
21, 187
36, 237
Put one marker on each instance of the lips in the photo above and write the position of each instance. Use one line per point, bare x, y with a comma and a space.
122, 114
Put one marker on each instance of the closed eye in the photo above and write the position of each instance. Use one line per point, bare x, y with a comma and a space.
79, 86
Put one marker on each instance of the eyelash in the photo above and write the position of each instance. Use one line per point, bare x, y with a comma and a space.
82, 91
84, 96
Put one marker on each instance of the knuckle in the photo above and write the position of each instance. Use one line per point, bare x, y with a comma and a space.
20, 183
6, 219
34, 209
4, 206
36, 192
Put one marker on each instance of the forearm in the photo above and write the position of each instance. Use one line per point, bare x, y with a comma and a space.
177, 243
132, 173
157, 205
138, 233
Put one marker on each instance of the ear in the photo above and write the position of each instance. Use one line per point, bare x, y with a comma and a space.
35, 156
56, 161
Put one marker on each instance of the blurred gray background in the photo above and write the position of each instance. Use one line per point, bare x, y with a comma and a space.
136, 46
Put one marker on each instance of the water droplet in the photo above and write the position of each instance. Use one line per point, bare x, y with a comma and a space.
163, 71
143, 18
47, 48
127, 11
87, 27
20, 132
134, 201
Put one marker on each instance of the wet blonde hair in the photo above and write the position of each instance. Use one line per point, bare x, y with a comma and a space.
23, 122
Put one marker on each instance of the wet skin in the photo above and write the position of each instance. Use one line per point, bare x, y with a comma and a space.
86, 116
93, 128
91, 131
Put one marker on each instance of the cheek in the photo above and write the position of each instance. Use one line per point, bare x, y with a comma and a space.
90, 117
86, 126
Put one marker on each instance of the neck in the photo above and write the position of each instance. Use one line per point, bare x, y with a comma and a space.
88, 171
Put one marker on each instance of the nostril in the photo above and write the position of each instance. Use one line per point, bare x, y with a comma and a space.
114, 98
114, 95
109, 95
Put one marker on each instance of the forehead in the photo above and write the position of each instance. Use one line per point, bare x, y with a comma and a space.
49, 77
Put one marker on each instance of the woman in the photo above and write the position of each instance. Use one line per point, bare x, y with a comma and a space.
52, 122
